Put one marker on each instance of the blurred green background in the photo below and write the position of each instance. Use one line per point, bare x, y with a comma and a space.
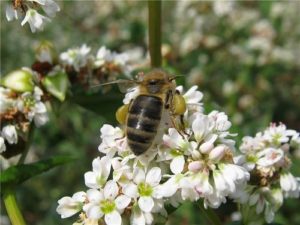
244, 56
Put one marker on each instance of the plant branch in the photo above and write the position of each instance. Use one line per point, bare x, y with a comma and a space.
154, 21
12, 208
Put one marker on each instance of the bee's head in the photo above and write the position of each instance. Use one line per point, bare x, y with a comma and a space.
156, 81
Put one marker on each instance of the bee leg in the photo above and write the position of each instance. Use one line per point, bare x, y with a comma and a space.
168, 99
121, 114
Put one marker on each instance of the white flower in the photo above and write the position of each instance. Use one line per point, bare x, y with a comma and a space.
222, 7
145, 187
278, 134
44, 55
68, 206
112, 140
107, 203
36, 21
50, 7
5, 102
40, 114
269, 157
2, 145
76, 57
9, 132
290, 185
11, 13
98, 177
103, 55
175, 149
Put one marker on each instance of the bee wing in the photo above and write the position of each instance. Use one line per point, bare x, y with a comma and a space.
123, 84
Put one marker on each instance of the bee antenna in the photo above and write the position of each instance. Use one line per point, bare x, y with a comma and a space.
175, 77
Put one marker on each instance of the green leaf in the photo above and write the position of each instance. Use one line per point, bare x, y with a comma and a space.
18, 174
105, 105
57, 85
18, 80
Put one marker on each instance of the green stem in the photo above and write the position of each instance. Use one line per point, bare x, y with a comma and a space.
12, 208
28, 143
210, 215
154, 20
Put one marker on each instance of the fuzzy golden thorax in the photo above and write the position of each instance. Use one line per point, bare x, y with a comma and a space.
156, 82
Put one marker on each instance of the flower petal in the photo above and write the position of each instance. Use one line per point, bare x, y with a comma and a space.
122, 202
146, 204
111, 190
113, 218
138, 175
153, 176
177, 164
130, 190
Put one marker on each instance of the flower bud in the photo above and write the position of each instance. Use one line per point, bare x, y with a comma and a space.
45, 52
206, 147
217, 153
195, 166
19, 80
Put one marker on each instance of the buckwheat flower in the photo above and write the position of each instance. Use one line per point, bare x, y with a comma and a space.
11, 13
68, 206
98, 177
278, 134
112, 140
9, 132
50, 7
2, 145
76, 57
6, 102
269, 157
289, 185
103, 55
36, 21
174, 149
144, 187
222, 7
106, 202
33, 108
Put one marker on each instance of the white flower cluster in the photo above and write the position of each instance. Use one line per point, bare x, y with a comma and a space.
17, 110
106, 66
30, 8
105, 58
187, 165
266, 157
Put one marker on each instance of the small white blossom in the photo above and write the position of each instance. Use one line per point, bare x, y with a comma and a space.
11, 13
68, 206
290, 185
76, 57
50, 7
2, 145
9, 132
36, 21
107, 203
98, 177
145, 188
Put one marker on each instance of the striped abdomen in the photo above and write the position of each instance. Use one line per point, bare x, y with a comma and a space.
142, 122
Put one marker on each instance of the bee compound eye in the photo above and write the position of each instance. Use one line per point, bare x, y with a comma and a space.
153, 82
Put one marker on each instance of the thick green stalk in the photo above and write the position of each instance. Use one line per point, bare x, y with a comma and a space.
209, 215
12, 208
154, 20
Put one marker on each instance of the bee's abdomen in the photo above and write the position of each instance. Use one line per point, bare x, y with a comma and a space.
142, 122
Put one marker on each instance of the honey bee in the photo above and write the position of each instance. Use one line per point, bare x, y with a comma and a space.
143, 115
